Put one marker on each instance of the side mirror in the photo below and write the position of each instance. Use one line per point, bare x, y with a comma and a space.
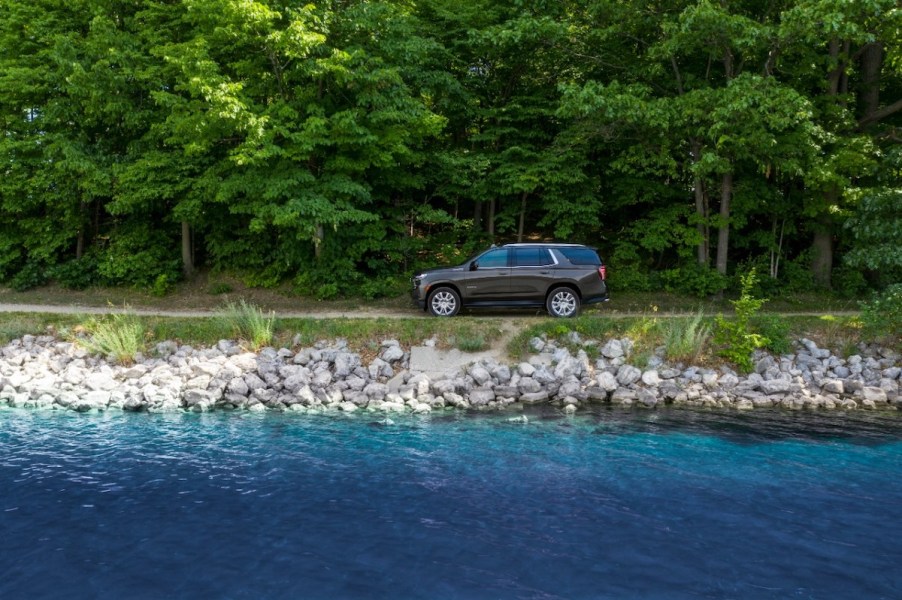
474, 265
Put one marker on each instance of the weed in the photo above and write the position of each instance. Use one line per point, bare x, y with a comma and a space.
249, 323
735, 337
162, 285
471, 343
119, 337
685, 339
775, 329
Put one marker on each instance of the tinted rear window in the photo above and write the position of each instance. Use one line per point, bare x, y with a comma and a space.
531, 257
581, 256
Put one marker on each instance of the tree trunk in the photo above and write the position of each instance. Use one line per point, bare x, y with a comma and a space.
822, 242
477, 216
522, 216
490, 226
701, 209
822, 249
80, 237
187, 253
871, 63
723, 231
318, 241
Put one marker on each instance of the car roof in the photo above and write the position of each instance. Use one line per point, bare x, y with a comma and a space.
548, 244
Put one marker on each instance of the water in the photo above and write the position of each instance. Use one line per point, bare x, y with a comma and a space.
612, 505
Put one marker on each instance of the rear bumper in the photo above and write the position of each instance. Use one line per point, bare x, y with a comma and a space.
596, 299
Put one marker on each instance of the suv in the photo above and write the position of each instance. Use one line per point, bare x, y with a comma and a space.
560, 277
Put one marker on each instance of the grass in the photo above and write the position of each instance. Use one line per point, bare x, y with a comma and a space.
685, 339
119, 337
249, 323
469, 333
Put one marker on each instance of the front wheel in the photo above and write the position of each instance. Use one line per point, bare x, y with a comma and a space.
444, 302
562, 302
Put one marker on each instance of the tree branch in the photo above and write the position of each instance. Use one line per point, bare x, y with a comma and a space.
881, 114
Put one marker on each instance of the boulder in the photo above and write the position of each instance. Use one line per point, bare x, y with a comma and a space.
607, 381
628, 374
775, 386
481, 397
651, 378
612, 349
873, 395
534, 397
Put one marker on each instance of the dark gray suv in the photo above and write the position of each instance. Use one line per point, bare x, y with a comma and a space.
560, 277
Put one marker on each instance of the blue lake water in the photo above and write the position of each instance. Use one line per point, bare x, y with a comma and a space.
665, 504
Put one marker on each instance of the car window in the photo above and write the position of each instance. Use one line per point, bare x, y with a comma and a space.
493, 258
532, 257
581, 256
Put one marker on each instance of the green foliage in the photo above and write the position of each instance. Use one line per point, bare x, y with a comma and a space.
882, 315
849, 282
360, 139
629, 278
876, 230
685, 339
137, 257
119, 337
693, 279
32, 275
249, 323
162, 285
736, 338
775, 330
77, 274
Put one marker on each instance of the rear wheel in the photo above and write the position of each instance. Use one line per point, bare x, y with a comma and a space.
562, 302
444, 302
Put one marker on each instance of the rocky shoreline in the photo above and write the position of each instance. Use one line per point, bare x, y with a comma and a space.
42, 372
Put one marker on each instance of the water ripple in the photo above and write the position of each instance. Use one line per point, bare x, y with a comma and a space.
608, 505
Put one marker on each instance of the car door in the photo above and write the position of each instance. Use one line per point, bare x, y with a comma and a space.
489, 276
532, 271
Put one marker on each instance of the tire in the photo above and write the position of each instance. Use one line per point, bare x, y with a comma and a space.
563, 303
444, 302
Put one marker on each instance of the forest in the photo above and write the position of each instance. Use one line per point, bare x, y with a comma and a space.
335, 146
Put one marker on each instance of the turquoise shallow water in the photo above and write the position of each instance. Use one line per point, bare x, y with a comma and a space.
666, 504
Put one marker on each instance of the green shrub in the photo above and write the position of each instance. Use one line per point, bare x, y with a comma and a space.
685, 339
137, 255
162, 285
383, 287
119, 337
882, 315
629, 278
249, 323
849, 282
775, 329
695, 280
734, 337
796, 274
327, 291
77, 274
32, 275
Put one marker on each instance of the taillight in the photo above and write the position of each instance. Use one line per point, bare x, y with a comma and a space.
603, 272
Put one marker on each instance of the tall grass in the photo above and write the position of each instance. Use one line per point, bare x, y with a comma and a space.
249, 323
685, 339
119, 337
